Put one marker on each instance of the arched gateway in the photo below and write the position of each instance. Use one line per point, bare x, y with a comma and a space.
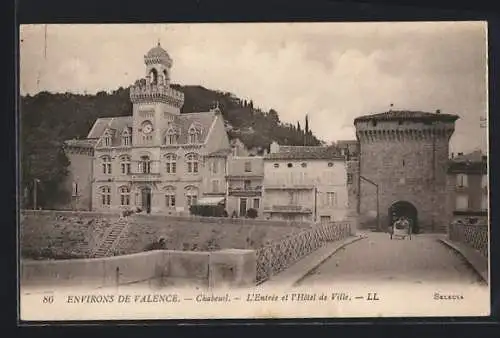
404, 209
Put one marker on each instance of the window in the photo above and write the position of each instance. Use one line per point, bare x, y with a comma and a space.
331, 199
107, 140
126, 138
256, 203
170, 163
192, 163
145, 165
191, 195
330, 164
247, 184
484, 202
461, 180
349, 178
215, 186
171, 137
215, 166
234, 151
276, 165
124, 196
125, 165
462, 202
193, 135
170, 197
289, 165
303, 165
75, 189
484, 181
248, 166
105, 196
106, 165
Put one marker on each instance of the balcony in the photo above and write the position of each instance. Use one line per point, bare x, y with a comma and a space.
144, 177
288, 208
245, 191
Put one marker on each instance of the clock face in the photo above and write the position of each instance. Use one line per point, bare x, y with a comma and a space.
147, 128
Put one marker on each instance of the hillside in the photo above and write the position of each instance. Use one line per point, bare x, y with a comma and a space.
48, 119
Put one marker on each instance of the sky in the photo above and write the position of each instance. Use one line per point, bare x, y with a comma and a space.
332, 71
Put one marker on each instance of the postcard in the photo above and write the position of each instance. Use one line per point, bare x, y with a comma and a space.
253, 170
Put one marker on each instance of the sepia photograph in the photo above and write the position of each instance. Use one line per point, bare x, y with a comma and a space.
253, 170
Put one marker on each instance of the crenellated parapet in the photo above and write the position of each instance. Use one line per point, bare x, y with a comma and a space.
431, 133
79, 147
143, 92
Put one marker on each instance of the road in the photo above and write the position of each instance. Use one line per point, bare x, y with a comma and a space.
377, 258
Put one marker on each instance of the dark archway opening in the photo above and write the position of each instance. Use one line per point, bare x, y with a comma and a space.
146, 199
404, 209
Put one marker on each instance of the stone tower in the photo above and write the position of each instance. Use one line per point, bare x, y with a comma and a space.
404, 154
155, 103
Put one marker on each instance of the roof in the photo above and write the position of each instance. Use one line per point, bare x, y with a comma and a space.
407, 115
305, 153
472, 163
203, 121
157, 52
475, 156
220, 153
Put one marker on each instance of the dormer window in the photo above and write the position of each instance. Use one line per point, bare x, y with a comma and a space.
126, 139
193, 135
107, 139
171, 136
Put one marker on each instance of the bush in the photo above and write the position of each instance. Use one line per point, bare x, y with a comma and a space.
252, 213
208, 210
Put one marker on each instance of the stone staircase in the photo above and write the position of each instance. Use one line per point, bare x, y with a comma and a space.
111, 239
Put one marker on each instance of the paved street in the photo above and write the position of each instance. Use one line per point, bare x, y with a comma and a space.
377, 258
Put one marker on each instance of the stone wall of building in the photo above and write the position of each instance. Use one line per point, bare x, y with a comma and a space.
399, 158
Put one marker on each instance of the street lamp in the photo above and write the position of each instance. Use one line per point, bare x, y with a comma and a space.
35, 182
377, 193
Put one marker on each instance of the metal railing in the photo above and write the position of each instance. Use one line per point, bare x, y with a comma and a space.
281, 254
473, 235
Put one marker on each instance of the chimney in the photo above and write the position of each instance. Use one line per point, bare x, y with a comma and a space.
274, 148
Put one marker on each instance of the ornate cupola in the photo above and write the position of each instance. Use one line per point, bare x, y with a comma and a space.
155, 87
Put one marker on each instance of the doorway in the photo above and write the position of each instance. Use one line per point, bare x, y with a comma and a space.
404, 209
146, 199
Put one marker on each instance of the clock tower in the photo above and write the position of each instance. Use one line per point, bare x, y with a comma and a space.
155, 103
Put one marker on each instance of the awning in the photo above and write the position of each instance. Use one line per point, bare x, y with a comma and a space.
210, 201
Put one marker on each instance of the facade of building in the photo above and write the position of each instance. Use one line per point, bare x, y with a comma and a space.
245, 178
403, 157
157, 159
305, 183
468, 186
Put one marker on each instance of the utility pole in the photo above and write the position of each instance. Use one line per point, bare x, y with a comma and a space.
35, 186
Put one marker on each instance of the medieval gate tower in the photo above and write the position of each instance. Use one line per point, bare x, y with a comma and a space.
403, 157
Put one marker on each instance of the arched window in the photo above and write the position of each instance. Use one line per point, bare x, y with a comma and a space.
169, 196
125, 164
124, 195
171, 163
145, 165
191, 195
153, 75
171, 136
106, 165
193, 135
165, 76
192, 163
105, 196
126, 139
107, 139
